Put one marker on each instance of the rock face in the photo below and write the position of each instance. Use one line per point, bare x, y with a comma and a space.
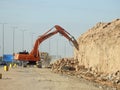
99, 47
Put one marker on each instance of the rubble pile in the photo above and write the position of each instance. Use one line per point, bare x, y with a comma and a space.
64, 65
71, 67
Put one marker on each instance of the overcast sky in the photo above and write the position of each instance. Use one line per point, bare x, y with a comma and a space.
38, 16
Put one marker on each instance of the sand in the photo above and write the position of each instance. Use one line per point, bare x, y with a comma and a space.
41, 79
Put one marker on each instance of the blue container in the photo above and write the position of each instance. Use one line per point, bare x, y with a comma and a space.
7, 57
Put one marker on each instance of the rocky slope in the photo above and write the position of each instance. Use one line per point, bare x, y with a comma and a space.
99, 47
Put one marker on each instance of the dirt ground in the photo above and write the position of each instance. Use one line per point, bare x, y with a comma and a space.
41, 79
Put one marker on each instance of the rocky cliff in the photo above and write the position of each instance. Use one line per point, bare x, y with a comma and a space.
99, 47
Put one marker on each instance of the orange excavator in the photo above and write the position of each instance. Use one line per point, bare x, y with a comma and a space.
33, 57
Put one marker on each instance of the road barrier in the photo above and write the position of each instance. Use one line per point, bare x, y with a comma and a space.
6, 68
0, 76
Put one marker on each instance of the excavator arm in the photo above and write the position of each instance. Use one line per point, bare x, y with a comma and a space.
48, 34
34, 54
67, 35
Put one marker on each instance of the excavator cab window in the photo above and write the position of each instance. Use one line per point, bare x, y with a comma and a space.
24, 52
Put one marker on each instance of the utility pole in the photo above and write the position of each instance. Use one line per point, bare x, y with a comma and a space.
14, 28
49, 46
0, 49
3, 24
23, 38
32, 39
65, 49
57, 48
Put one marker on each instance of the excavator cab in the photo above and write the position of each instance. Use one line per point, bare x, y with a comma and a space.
24, 52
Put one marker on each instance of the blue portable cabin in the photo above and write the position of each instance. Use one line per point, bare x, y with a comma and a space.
8, 58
